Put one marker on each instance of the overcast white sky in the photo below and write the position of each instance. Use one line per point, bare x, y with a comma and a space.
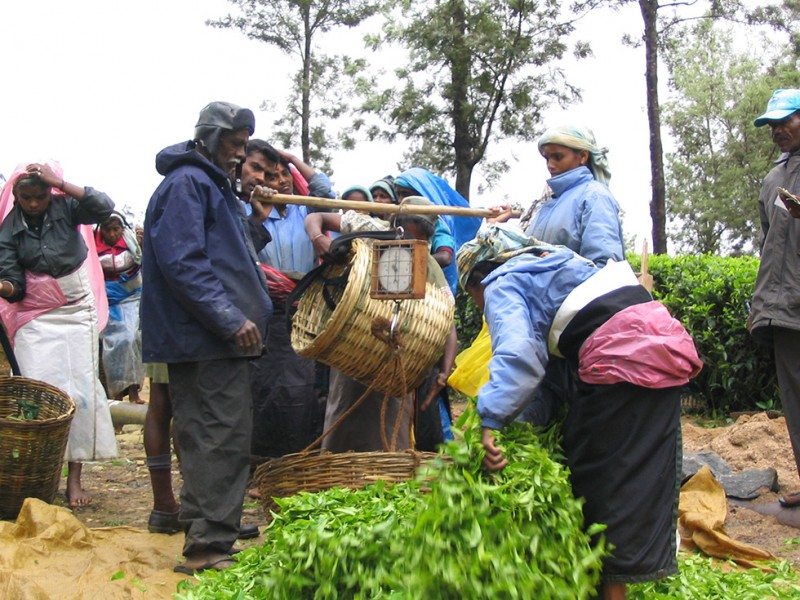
102, 86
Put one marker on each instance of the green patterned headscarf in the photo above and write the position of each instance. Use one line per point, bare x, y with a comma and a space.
580, 138
496, 242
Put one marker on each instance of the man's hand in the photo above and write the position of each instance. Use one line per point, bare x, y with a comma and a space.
260, 210
494, 459
437, 386
793, 209
248, 339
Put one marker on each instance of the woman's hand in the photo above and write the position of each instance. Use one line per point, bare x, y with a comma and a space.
494, 459
321, 243
6, 288
46, 174
504, 213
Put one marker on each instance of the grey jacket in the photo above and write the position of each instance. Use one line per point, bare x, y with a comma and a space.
776, 299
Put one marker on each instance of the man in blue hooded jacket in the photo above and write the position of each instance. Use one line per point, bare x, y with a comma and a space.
204, 312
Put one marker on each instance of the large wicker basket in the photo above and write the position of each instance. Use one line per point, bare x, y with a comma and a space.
31, 452
320, 470
343, 338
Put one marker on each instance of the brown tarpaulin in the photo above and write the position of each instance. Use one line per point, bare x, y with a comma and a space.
49, 554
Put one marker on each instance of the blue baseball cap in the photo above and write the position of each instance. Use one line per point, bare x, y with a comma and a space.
782, 104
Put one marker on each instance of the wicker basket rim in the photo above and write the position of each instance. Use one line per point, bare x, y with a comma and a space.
35, 383
358, 263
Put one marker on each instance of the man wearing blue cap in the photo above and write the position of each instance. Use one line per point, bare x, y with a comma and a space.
775, 311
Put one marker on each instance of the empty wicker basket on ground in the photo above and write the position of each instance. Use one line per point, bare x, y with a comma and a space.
342, 337
34, 426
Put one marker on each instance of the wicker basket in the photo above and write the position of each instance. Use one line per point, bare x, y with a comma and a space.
31, 452
321, 470
343, 338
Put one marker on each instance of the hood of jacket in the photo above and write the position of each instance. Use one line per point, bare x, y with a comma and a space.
186, 154
530, 263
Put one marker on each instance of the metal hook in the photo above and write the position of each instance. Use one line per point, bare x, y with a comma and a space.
395, 319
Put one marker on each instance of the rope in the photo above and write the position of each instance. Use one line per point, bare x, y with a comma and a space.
396, 364
345, 414
396, 429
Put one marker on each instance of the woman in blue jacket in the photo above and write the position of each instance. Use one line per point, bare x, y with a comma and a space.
578, 210
627, 360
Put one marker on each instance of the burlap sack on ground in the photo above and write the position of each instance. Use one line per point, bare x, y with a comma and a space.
701, 518
48, 554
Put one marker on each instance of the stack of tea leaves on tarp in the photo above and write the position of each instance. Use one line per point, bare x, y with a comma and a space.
455, 532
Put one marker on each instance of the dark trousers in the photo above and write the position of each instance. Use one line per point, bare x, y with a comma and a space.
787, 366
211, 405
287, 413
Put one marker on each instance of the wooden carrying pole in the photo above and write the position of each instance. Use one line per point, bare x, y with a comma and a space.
644, 277
376, 207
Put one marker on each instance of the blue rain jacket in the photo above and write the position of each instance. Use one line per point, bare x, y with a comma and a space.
521, 300
583, 216
200, 278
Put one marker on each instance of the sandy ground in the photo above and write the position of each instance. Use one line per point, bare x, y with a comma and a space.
754, 441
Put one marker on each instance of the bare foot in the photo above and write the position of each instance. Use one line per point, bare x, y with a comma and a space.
133, 395
254, 493
76, 495
78, 498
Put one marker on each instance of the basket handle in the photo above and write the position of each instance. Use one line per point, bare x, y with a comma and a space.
9, 350
396, 362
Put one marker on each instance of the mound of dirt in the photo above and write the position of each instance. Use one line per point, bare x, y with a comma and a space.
752, 442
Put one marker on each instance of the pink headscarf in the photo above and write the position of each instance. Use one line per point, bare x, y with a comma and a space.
300, 183
15, 316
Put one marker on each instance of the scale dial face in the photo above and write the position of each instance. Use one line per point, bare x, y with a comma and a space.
395, 269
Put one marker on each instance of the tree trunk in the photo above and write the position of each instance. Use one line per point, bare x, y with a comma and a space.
458, 57
464, 179
649, 10
305, 97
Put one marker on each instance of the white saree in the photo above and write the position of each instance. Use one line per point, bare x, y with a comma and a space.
61, 348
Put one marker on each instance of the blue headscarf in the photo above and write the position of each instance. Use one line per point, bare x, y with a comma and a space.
438, 191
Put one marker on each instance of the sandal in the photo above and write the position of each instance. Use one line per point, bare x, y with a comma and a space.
163, 522
248, 532
790, 500
211, 564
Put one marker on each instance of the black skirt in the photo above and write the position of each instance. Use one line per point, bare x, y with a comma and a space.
622, 444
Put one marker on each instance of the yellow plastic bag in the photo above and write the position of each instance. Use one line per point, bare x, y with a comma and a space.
472, 365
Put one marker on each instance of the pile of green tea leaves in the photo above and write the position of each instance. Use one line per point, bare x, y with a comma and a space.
455, 532
26, 411
702, 578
